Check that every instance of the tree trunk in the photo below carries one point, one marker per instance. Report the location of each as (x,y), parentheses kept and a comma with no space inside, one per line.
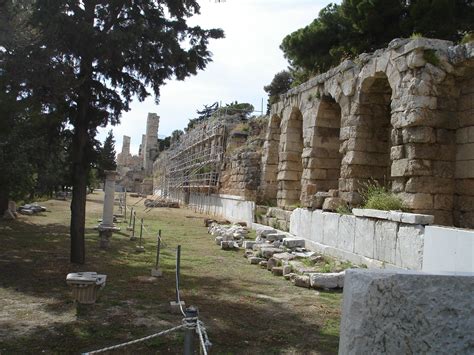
(3,201)
(78,202)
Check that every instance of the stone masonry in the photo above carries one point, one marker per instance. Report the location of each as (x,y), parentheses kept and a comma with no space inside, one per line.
(403,116)
(150,147)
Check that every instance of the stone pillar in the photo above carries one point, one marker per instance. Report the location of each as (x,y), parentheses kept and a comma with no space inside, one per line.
(108,211)
(150,148)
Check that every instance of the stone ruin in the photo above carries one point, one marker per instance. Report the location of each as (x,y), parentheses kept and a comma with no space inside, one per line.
(403,116)
(135,171)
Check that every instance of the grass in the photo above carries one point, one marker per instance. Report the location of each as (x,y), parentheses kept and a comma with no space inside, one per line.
(237,301)
(378,197)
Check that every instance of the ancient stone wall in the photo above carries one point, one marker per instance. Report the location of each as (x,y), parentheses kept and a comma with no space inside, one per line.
(240,169)
(150,147)
(401,116)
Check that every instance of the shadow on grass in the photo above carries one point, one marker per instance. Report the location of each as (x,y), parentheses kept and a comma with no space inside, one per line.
(34,261)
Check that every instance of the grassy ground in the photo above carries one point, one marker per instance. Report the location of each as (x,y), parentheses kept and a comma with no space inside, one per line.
(245,308)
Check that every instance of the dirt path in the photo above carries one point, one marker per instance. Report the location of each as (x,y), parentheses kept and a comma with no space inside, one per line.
(246,309)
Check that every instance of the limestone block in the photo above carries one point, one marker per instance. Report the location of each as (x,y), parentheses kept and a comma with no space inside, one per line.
(317,226)
(330,280)
(364,237)
(417,201)
(305,224)
(406,312)
(365,158)
(301,281)
(271,263)
(315,174)
(443,169)
(465,187)
(418,135)
(430,151)
(409,248)
(255,260)
(293,242)
(277,271)
(397,152)
(465,135)
(464,169)
(324,163)
(411,167)
(248,244)
(289,156)
(430,184)
(267,252)
(411,218)
(416,59)
(385,241)
(346,233)
(295,219)
(333,203)
(289,175)
(331,226)
(465,151)
(443,202)
(464,203)
(370,213)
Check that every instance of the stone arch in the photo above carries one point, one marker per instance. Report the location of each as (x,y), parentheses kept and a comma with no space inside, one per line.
(270,161)
(366,138)
(321,157)
(290,166)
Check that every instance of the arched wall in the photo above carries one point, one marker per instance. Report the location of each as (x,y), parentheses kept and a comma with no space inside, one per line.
(406,121)
(290,167)
(321,158)
(270,159)
(365,137)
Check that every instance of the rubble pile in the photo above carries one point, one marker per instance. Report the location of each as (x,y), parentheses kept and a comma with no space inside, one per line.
(228,237)
(30,209)
(160,203)
(280,253)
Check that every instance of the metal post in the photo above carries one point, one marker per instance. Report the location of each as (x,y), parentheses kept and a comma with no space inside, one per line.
(158,249)
(132,237)
(125,203)
(178,263)
(190,330)
(141,232)
(130,222)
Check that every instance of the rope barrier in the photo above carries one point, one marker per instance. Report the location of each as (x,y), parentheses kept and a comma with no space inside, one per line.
(201,337)
(164,332)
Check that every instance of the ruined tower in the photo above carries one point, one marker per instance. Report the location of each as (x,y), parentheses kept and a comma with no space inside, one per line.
(150,145)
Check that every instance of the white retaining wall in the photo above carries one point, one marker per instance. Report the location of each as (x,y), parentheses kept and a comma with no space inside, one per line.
(232,208)
(448,250)
(376,239)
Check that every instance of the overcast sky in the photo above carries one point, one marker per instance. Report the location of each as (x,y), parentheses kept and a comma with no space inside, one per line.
(243,62)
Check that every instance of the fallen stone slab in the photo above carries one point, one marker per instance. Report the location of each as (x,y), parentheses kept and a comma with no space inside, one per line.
(254,260)
(218,240)
(263,232)
(402,312)
(248,244)
(275,237)
(284,256)
(287,269)
(277,271)
(263,264)
(271,263)
(269,251)
(301,281)
(329,280)
(229,245)
(293,242)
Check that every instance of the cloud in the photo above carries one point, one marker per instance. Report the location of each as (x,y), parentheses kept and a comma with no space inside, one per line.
(243,62)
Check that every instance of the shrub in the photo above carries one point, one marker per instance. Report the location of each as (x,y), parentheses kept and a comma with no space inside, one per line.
(378,197)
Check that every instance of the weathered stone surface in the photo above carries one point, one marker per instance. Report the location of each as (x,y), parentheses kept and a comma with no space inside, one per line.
(301,281)
(328,280)
(333,203)
(267,252)
(277,271)
(255,260)
(293,242)
(406,312)
(271,263)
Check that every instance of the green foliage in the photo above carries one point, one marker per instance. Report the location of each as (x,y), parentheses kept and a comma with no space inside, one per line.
(106,156)
(280,84)
(378,197)
(468,38)
(357,26)
(344,209)
(430,56)
(415,35)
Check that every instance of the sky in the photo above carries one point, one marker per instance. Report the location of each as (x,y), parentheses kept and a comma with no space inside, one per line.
(243,63)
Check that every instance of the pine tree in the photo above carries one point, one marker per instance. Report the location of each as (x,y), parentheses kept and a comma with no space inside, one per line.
(105,52)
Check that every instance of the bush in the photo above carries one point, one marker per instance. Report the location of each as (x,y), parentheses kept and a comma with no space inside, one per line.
(378,197)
